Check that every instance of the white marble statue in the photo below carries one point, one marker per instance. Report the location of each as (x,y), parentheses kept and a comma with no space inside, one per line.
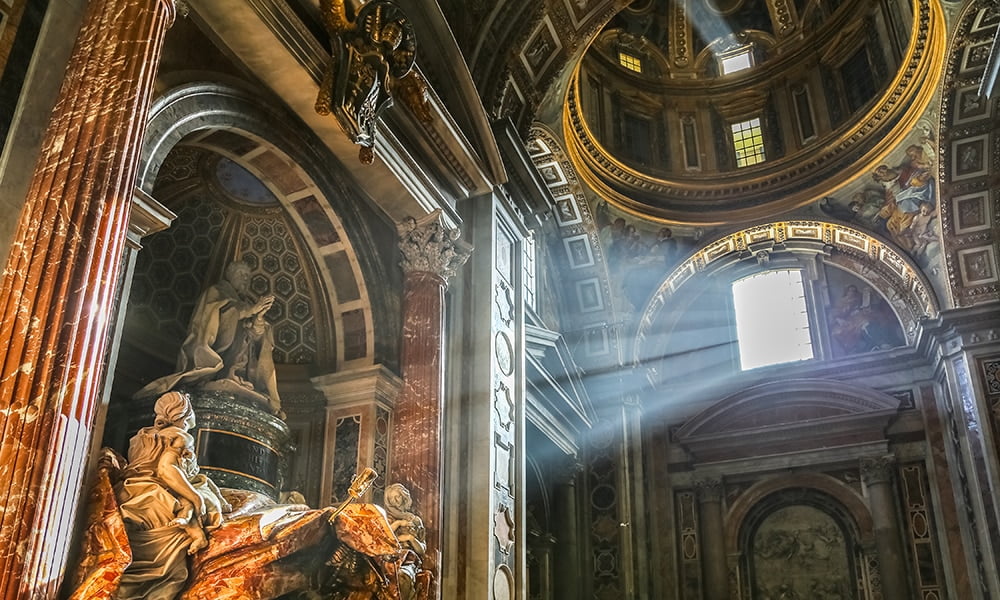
(228,346)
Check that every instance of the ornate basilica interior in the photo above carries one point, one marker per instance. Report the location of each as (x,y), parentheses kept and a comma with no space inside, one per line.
(500,299)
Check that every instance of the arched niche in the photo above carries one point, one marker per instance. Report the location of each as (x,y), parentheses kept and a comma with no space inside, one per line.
(244,178)
(333,218)
(810,538)
(689,316)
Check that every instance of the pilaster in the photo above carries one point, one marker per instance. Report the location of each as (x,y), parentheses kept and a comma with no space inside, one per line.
(713,540)
(359,418)
(878,477)
(431,254)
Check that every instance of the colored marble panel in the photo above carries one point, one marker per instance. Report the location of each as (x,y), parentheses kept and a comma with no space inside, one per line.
(317,221)
(355,334)
(277,170)
(344,283)
(231,142)
(345,457)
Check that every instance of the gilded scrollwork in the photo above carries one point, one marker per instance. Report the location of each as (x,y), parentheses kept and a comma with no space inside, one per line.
(372,62)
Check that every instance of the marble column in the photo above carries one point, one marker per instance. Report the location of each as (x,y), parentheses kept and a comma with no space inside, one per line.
(567,556)
(878,474)
(59,285)
(543,546)
(431,254)
(713,541)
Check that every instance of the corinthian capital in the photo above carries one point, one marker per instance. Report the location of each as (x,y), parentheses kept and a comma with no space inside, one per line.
(428,246)
(878,469)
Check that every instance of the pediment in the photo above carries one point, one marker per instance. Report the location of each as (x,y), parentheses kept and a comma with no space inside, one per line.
(788,416)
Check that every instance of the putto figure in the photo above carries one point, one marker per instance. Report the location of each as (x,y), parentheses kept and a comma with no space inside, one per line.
(228,346)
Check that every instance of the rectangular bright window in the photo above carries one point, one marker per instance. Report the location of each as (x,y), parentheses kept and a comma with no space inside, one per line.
(772,324)
(748,141)
(630,62)
(736,62)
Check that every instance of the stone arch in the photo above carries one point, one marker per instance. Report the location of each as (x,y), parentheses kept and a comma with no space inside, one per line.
(849,499)
(330,215)
(890,271)
(809,491)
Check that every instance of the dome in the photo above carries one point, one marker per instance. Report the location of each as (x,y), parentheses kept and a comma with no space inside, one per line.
(700,111)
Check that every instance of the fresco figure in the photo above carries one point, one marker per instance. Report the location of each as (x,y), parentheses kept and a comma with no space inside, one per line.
(905,188)
(861,321)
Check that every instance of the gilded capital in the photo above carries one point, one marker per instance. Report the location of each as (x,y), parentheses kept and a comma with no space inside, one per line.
(878,469)
(428,246)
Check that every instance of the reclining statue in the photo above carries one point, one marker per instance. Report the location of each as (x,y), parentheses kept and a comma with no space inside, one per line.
(159,529)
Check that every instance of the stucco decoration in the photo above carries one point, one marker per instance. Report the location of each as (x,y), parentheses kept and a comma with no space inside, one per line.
(427,245)
(800,552)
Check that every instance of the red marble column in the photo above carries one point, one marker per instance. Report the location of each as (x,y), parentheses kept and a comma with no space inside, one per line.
(59,285)
(431,254)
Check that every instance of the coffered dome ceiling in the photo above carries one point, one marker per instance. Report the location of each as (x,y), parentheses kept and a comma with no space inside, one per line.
(705,111)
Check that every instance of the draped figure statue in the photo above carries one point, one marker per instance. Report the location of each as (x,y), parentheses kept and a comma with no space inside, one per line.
(228,345)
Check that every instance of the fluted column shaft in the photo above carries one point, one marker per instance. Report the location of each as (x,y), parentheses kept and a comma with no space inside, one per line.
(713,542)
(416,460)
(878,474)
(59,285)
(431,253)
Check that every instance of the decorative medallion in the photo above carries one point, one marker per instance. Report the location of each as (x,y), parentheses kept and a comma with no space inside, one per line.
(503,528)
(504,352)
(505,304)
(503,583)
(504,404)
